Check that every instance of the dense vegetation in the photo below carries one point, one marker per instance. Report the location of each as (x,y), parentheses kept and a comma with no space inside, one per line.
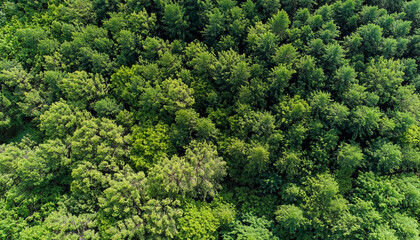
(216,119)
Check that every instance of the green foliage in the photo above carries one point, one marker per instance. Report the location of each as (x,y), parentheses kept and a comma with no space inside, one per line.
(250,227)
(349,157)
(196,174)
(215,27)
(107,107)
(365,121)
(286,54)
(150,144)
(100,141)
(261,42)
(380,79)
(177,95)
(15,83)
(280,77)
(252,201)
(290,164)
(209,168)
(60,120)
(160,218)
(120,205)
(171,177)
(246,161)
(371,38)
(407,227)
(280,23)
(202,220)
(11,224)
(293,110)
(265,119)
(173,21)
(82,88)
(290,218)
(310,77)
(63,225)
(388,157)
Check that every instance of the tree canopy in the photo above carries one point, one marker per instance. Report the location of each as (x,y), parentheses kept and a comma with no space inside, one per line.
(251,119)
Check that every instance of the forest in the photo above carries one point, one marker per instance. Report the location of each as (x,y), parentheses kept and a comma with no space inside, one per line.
(210,119)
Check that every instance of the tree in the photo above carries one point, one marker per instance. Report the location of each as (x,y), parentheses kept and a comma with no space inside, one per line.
(171,177)
(250,227)
(329,32)
(87,184)
(15,82)
(344,77)
(323,203)
(333,58)
(11,225)
(280,77)
(63,225)
(101,142)
(232,71)
(291,219)
(28,184)
(293,110)
(121,204)
(407,227)
(286,54)
(198,222)
(411,11)
(266,8)
(28,40)
(344,13)
(82,88)
(176,95)
(236,26)
(349,157)
(371,35)
(150,144)
(290,164)
(5,120)
(383,232)
(338,115)
(215,28)
(107,107)
(81,11)
(246,162)
(127,83)
(197,174)
(383,77)
(370,186)
(195,12)
(257,161)
(365,121)
(261,42)
(209,168)
(189,125)
(310,77)
(199,119)
(127,42)
(173,20)
(280,23)
(388,157)
(88,51)
(161,217)
(60,120)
